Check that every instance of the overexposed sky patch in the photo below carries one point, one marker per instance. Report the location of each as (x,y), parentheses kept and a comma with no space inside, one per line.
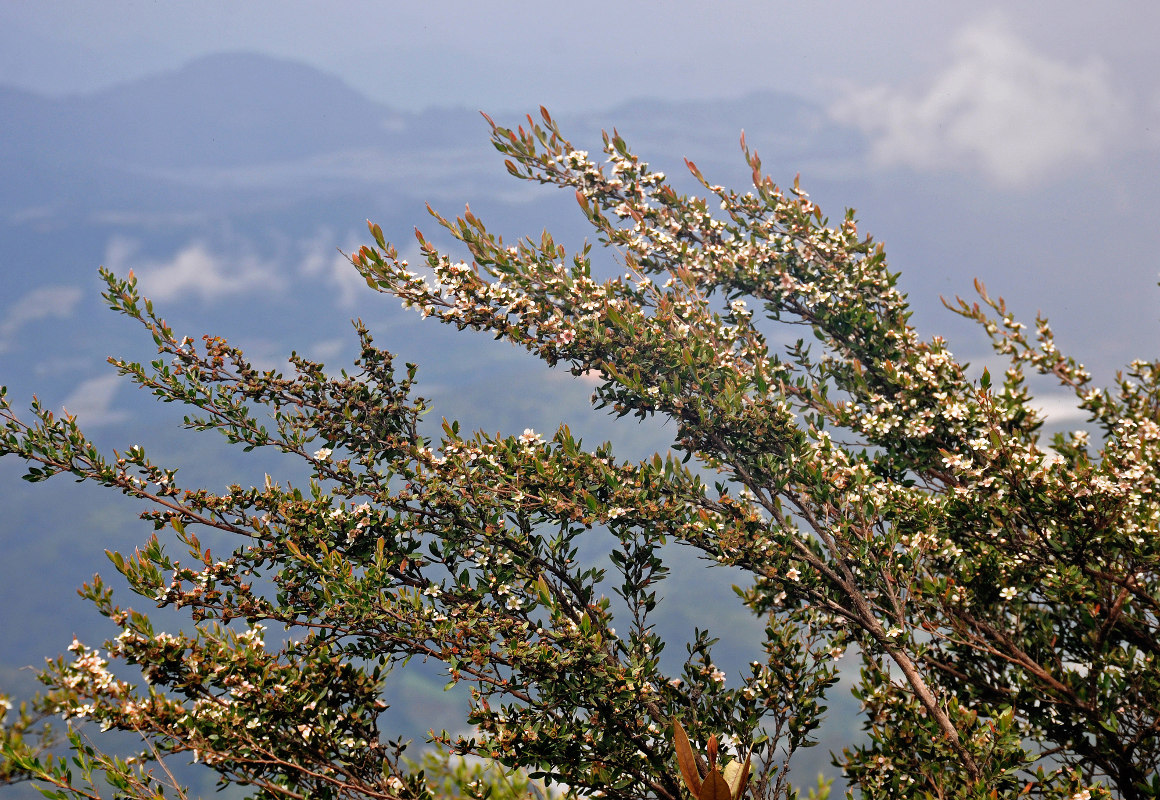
(194,271)
(1060,409)
(999,107)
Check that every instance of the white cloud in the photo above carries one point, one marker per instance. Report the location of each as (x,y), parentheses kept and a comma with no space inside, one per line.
(999,107)
(328,349)
(91,402)
(323,261)
(193,271)
(45,302)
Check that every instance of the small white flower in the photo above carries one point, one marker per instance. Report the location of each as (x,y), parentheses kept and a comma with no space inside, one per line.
(322,453)
(954,460)
(1008,593)
(793,573)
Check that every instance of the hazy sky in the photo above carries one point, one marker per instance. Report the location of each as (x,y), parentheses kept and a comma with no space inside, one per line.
(507,55)
(1010,90)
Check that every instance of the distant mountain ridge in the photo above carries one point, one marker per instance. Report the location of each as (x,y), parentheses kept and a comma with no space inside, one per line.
(262,109)
(232,110)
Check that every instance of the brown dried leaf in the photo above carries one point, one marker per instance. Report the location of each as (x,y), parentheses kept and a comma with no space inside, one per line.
(715,787)
(686,760)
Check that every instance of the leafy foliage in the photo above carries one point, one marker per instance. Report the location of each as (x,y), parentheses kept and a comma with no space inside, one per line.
(1001,591)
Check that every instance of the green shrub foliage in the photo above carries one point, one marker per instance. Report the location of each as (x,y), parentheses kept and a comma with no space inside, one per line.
(1001,590)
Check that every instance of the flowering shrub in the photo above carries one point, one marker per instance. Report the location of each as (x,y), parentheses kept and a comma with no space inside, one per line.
(1000,590)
